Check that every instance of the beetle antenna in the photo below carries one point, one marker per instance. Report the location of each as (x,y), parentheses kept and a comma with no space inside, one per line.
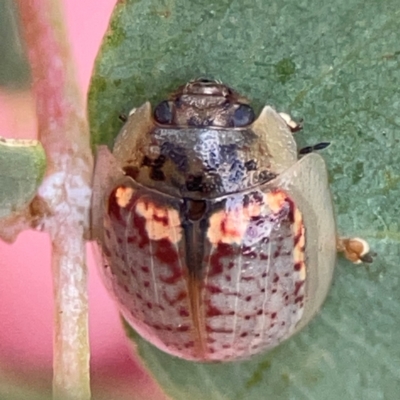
(315,147)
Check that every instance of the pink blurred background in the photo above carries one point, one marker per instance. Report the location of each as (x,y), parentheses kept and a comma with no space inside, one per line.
(25,285)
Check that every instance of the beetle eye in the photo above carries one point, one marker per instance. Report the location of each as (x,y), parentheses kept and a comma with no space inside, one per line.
(163,113)
(243,116)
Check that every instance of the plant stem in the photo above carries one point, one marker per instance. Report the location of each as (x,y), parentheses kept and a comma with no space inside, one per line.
(66,192)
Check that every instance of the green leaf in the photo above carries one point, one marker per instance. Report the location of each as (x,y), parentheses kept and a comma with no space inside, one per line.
(22,167)
(337,65)
(14,67)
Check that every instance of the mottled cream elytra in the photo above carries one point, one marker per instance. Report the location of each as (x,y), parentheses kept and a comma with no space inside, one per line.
(218,241)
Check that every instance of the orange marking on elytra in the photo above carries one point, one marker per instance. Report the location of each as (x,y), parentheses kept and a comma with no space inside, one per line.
(298,251)
(123,196)
(276,200)
(161,222)
(225,227)
(229,226)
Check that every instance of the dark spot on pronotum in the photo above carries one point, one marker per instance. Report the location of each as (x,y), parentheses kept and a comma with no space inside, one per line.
(193,121)
(131,171)
(208,187)
(199,122)
(176,154)
(157,174)
(266,176)
(250,165)
(178,102)
(228,152)
(236,171)
(194,183)
(147,162)
(159,161)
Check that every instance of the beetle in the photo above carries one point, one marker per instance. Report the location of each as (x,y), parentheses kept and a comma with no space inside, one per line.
(218,241)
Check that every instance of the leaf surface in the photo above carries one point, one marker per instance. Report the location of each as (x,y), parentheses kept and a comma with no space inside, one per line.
(22,167)
(337,65)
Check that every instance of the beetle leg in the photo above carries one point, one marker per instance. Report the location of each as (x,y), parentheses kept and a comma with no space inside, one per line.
(124,117)
(292,125)
(355,249)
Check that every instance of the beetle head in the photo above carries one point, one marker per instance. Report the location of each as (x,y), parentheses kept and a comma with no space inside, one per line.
(204,103)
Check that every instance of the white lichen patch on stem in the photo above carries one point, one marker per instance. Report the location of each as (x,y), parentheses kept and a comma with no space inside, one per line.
(69,196)
(64,196)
